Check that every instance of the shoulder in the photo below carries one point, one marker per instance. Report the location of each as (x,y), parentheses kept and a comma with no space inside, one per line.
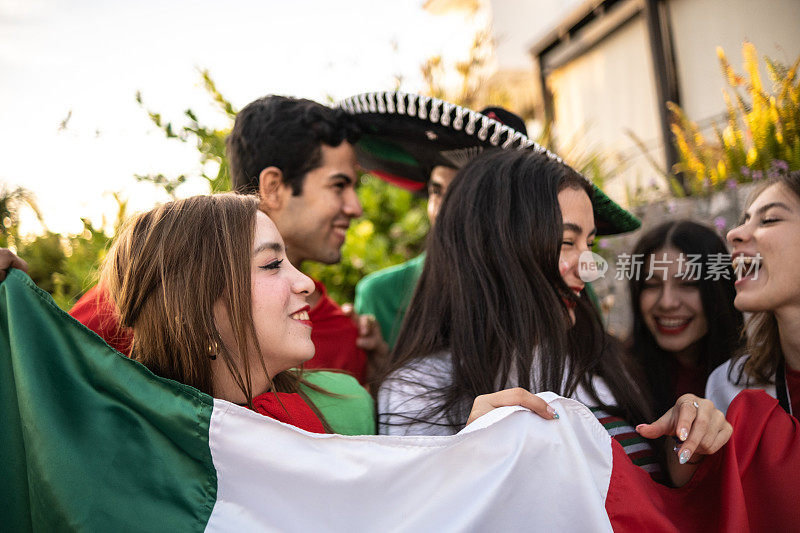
(434,369)
(410,392)
(391,276)
(728,380)
(346,405)
(336,382)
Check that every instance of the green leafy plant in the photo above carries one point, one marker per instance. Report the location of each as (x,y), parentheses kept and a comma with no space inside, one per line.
(761,133)
(392,229)
(12,200)
(66,265)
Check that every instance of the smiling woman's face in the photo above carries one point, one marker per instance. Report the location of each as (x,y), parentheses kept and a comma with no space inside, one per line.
(578,236)
(280,313)
(771,231)
(670,303)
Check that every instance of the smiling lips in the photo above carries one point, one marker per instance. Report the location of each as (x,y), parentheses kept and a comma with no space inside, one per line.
(746,267)
(672,326)
(341,230)
(302,316)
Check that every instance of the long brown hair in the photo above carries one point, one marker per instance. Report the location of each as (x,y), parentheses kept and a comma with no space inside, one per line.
(166,271)
(491,294)
(763,348)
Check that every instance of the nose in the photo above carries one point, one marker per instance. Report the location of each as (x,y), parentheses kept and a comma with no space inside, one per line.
(668,298)
(352,207)
(301,284)
(738,234)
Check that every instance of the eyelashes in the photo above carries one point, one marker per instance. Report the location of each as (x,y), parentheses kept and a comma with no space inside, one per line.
(273,265)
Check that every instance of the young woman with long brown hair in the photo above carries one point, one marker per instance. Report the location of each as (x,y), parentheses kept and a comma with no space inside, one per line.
(766,257)
(205,286)
(214,303)
(493,309)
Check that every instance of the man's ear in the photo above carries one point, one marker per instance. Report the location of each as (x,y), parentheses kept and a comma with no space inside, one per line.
(271,189)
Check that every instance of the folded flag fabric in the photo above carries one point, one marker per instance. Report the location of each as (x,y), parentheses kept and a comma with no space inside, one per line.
(93,441)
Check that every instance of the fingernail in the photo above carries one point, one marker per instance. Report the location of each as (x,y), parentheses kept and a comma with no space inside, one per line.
(552,412)
(683,434)
(639,427)
(683,458)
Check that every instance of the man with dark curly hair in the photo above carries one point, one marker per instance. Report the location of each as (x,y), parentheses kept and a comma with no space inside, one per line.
(298,156)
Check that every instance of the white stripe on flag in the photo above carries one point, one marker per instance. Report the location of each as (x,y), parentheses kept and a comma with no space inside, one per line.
(509,470)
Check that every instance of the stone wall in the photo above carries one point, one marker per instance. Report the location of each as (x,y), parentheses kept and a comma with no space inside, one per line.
(720,210)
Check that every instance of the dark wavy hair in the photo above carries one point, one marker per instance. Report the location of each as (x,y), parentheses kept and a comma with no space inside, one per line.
(491,294)
(724,322)
(286,133)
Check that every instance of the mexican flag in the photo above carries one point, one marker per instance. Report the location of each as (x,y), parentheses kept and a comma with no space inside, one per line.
(92,441)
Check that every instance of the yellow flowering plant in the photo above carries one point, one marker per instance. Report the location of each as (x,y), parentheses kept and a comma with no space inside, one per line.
(760,135)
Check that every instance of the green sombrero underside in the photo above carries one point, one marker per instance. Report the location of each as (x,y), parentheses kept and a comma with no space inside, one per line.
(405,135)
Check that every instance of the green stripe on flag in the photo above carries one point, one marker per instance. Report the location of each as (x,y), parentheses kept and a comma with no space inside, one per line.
(91,440)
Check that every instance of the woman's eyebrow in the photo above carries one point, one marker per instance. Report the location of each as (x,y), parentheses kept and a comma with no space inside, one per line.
(571,226)
(764,208)
(274,246)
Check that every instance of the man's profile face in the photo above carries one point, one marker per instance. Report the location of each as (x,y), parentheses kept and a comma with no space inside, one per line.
(441,177)
(314,223)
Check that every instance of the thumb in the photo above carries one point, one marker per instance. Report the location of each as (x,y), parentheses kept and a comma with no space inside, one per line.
(660,427)
(348,310)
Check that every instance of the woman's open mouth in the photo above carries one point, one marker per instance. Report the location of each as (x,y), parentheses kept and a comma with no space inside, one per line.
(672,326)
(746,268)
(302,316)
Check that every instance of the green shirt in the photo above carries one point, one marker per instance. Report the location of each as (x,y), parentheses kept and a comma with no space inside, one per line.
(350,410)
(386,295)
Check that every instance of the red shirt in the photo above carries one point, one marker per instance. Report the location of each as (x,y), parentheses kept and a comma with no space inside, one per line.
(793,384)
(289,408)
(687,380)
(334,336)
(96,311)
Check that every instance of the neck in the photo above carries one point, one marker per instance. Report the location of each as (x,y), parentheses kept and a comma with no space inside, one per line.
(789,332)
(689,356)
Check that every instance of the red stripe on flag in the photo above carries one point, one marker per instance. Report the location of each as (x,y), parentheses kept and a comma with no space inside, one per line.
(752,484)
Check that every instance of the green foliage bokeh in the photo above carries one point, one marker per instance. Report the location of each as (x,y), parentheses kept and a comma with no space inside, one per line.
(392,229)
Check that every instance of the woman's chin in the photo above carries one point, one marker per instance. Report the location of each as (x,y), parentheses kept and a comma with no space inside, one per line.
(749,303)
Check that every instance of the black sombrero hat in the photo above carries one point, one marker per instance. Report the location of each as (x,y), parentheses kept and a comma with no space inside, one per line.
(405,135)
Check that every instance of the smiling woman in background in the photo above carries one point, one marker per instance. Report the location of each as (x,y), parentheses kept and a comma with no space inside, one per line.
(766,256)
(684,321)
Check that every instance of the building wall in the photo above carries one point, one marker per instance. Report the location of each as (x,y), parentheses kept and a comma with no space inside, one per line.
(699,26)
(601,95)
(611,88)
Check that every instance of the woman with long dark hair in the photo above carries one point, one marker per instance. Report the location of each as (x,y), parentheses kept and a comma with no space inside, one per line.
(766,258)
(205,285)
(684,321)
(492,310)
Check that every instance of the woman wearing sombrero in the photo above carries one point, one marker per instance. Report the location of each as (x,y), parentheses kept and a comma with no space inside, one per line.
(496,306)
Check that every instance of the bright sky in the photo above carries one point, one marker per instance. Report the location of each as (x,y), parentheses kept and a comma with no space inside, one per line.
(89,57)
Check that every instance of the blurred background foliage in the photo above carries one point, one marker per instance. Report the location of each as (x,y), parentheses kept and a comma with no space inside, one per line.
(760,135)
